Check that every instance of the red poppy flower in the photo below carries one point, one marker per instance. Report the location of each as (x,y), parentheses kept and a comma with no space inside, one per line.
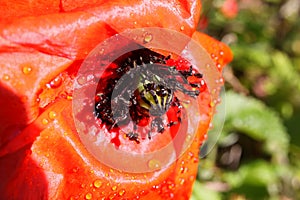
(42,46)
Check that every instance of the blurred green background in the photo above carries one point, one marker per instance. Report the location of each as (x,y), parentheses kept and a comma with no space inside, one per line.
(257,155)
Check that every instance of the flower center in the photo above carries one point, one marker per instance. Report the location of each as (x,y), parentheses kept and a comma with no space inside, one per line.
(141,88)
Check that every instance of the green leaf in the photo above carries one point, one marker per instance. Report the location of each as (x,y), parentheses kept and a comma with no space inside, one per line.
(283,67)
(257,173)
(251,117)
(202,193)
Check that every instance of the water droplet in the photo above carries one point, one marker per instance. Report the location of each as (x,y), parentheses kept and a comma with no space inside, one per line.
(190,154)
(181,181)
(114,188)
(97,183)
(154,164)
(122,192)
(81,80)
(155,187)
(221,80)
(171,195)
(188,138)
(195,160)
(55,83)
(112,196)
(221,53)
(92,171)
(45,121)
(182,28)
(26,70)
(183,170)
(6,77)
(88,196)
(148,38)
(69,97)
(52,114)
(171,186)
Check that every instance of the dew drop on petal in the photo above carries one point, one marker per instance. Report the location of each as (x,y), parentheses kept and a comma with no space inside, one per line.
(45,121)
(112,196)
(188,138)
(114,188)
(5,77)
(81,80)
(52,114)
(88,196)
(195,160)
(101,51)
(190,155)
(183,170)
(97,183)
(221,80)
(26,70)
(182,28)
(122,192)
(56,82)
(154,164)
(181,181)
(69,97)
(171,185)
(148,38)
(143,192)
